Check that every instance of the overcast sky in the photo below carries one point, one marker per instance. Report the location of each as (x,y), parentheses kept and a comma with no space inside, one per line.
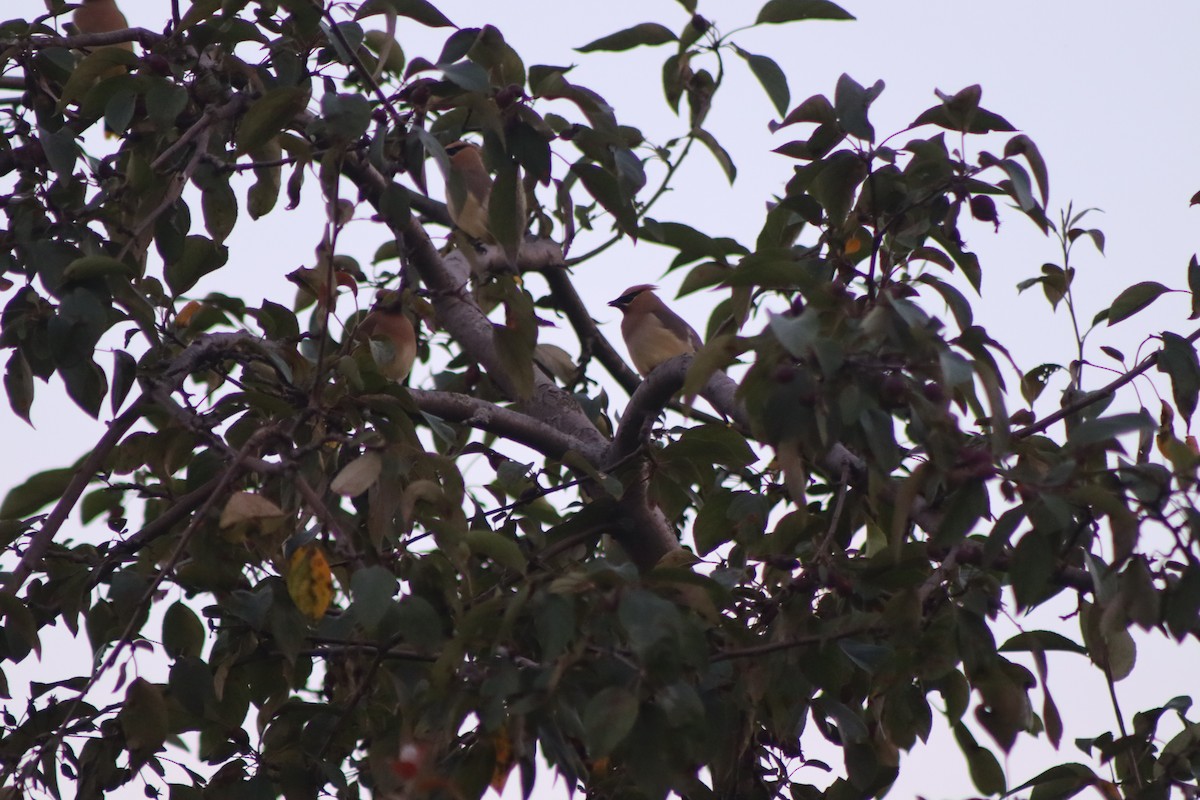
(1107,90)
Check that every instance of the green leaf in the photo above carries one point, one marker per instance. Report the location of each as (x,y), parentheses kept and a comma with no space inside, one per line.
(143,720)
(602,186)
(1024,146)
(18,383)
(1178,359)
(182,632)
(498,547)
(269,115)
(816,109)
(1194,286)
(201,256)
(220,208)
(961,112)
(719,152)
(771,77)
(607,719)
(422,11)
(372,589)
(86,385)
(1134,299)
(986,773)
(851,101)
(37,491)
(1041,641)
(777,11)
(1059,782)
(95,266)
(646,33)
(1094,431)
(506,210)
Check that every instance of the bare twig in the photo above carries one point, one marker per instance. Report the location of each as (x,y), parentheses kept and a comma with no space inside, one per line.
(41,540)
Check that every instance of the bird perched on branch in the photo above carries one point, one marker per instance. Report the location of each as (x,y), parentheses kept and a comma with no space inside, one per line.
(653,333)
(101,16)
(392,337)
(469,197)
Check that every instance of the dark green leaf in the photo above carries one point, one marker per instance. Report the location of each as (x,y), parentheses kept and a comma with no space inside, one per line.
(1102,429)
(719,152)
(270,114)
(607,719)
(1194,285)
(985,770)
(200,256)
(37,491)
(776,11)
(182,632)
(646,33)
(850,102)
(1041,641)
(1178,359)
(1134,299)
(18,383)
(816,109)
(422,11)
(771,77)
(1024,146)
(602,185)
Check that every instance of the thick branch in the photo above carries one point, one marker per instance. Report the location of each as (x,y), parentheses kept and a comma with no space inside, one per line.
(82,41)
(526,430)
(591,340)
(653,395)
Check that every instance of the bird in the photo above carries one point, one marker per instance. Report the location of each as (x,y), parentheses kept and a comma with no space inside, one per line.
(468,189)
(468,193)
(101,16)
(391,336)
(653,333)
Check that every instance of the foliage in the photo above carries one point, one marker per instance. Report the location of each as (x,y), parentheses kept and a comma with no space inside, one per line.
(344,608)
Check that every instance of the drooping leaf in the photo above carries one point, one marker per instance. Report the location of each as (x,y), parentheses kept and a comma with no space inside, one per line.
(771,77)
(776,11)
(422,11)
(1134,299)
(646,33)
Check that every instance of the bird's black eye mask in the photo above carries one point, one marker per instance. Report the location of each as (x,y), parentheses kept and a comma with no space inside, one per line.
(625,299)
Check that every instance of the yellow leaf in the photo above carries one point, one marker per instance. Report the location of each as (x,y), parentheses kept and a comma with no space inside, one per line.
(309,581)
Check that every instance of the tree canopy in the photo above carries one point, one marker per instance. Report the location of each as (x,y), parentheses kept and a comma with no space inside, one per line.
(367,581)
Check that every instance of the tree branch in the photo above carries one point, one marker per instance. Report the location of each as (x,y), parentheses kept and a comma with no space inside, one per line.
(81,41)
(513,425)
(1093,397)
(41,540)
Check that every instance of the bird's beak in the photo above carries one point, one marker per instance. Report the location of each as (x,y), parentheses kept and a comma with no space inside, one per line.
(615,303)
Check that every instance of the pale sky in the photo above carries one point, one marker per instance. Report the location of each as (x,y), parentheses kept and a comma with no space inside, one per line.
(1107,90)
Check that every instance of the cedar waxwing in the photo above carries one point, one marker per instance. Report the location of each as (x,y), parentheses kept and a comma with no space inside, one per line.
(468,190)
(101,16)
(653,333)
(391,336)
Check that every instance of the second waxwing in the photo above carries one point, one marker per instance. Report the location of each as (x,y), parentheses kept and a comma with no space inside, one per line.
(101,16)
(653,333)
(391,336)
(469,189)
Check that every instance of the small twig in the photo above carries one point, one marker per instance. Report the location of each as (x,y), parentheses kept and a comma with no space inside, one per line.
(41,540)
(231,472)
(787,644)
(843,486)
(1097,395)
